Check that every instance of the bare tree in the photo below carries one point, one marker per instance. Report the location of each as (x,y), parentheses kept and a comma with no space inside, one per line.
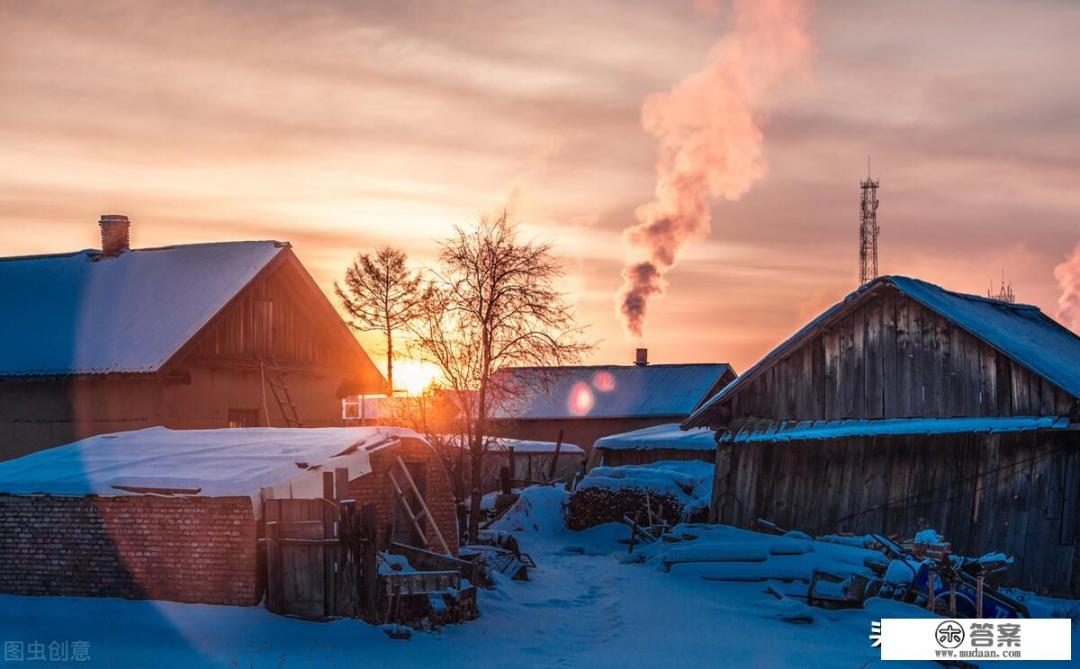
(381,294)
(493,305)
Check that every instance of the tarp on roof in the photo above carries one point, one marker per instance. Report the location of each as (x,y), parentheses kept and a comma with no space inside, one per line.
(611,391)
(666,436)
(216,463)
(776,431)
(84,314)
(1021,331)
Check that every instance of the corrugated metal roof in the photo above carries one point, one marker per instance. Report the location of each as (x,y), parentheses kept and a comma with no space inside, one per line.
(611,391)
(668,435)
(80,313)
(753,431)
(1021,331)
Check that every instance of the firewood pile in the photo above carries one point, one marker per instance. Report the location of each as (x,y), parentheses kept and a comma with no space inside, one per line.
(597,505)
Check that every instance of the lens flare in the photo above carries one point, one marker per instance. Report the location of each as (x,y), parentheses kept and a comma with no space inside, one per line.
(581,399)
(603,382)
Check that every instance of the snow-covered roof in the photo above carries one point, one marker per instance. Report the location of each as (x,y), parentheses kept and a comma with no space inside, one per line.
(611,391)
(82,313)
(1021,331)
(525,446)
(215,463)
(668,435)
(772,431)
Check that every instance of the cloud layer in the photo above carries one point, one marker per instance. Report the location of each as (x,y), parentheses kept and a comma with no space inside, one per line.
(342,125)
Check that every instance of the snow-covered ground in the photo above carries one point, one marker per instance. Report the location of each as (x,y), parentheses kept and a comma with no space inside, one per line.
(588,605)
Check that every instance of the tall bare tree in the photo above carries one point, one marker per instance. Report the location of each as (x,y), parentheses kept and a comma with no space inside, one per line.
(381,294)
(493,305)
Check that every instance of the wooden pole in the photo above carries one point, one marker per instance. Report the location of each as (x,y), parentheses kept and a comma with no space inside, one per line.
(979,596)
(512,466)
(555,460)
(329,563)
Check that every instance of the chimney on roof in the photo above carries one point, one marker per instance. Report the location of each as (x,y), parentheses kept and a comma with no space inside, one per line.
(114,234)
(642,357)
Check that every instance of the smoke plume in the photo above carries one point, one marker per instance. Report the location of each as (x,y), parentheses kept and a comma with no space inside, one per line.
(1068,278)
(709,142)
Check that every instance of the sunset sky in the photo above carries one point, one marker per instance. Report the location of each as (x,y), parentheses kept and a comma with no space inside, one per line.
(342,126)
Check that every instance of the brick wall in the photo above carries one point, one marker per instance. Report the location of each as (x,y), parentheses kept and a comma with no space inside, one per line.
(377,488)
(186,549)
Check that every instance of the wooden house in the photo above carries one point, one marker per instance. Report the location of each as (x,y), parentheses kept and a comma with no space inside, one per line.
(584,403)
(907,406)
(192,336)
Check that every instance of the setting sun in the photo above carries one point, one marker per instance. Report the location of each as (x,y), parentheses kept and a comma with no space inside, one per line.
(414,376)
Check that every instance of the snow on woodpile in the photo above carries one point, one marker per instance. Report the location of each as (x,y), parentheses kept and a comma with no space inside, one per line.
(666,436)
(674,490)
(288,462)
(80,313)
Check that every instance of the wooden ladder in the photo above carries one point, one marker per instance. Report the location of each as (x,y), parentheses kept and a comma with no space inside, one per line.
(275,378)
(425,512)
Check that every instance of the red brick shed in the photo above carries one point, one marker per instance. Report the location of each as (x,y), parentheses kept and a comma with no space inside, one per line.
(177,514)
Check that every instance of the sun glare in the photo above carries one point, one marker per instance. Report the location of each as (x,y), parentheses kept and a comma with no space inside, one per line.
(414,376)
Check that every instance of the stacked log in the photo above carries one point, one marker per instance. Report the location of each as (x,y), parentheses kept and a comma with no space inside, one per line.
(596,505)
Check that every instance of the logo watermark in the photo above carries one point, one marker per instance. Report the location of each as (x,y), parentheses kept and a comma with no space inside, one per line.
(974,639)
(55,650)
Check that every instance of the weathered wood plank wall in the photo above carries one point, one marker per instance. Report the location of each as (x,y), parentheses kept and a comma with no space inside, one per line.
(892,358)
(1015,492)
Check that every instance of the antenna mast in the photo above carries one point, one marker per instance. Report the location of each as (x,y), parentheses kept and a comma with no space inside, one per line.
(868,228)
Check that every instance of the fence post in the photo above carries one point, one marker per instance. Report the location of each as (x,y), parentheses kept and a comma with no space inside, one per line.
(369,566)
(273,568)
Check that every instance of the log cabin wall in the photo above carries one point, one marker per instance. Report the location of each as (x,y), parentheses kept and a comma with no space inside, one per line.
(890,357)
(1014,492)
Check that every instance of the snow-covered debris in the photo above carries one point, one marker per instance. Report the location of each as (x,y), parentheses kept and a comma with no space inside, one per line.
(212,463)
(130,313)
(725,553)
(928,536)
(668,435)
(540,509)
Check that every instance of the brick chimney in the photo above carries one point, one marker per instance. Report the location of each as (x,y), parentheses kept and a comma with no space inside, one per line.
(642,357)
(114,234)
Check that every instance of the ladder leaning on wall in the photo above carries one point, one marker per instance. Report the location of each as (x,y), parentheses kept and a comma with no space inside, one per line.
(271,375)
(413,516)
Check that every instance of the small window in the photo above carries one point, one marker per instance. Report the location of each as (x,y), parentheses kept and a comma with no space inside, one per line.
(350,408)
(243,418)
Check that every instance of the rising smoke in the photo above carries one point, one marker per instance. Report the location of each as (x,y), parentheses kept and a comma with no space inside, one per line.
(709,142)
(1068,278)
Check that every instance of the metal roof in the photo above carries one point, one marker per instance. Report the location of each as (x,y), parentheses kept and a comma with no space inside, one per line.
(1021,331)
(611,391)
